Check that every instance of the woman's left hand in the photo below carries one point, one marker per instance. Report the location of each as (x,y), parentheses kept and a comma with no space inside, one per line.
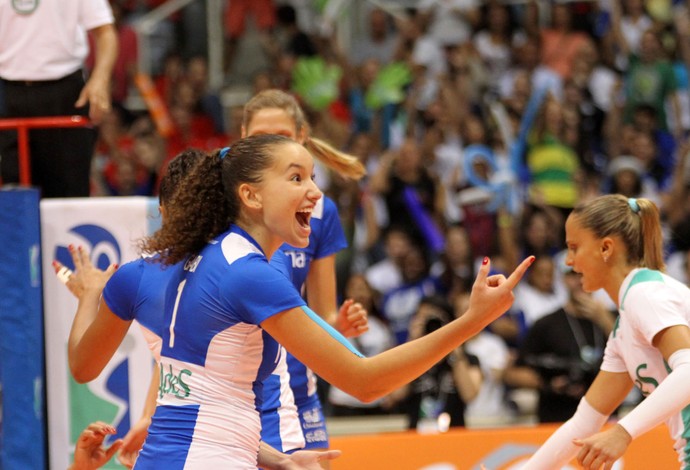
(352,319)
(603,448)
(86,276)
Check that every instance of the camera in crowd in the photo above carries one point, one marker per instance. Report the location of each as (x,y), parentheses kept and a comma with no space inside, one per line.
(579,371)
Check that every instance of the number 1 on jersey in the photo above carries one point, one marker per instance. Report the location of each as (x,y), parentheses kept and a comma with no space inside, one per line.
(180,288)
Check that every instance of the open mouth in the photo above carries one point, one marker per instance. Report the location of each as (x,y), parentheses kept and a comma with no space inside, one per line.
(303,217)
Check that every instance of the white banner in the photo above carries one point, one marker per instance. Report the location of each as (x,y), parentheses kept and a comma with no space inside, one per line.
(109,229)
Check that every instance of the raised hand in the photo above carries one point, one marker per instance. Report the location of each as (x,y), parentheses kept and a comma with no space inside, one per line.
(493,295)
(85,275)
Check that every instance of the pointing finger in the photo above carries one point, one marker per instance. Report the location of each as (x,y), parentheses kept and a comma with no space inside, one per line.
(520,271)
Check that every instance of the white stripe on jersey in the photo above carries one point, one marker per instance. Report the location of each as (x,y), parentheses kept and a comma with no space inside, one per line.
(291,435)
(235,246)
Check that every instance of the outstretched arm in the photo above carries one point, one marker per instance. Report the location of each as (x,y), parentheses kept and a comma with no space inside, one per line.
(616,29)
(371,378)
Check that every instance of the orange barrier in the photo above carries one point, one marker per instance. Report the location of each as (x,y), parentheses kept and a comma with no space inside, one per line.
(24,124)
(468,449)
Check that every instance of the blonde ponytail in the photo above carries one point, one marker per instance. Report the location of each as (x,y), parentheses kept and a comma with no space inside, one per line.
(340,162)
(651,236)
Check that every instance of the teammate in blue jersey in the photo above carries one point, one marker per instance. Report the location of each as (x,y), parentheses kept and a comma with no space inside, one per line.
(291,392)
(230,306)
(133,292)
(615,243)
(136,292)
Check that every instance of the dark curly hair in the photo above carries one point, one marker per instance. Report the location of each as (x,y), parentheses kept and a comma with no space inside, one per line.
(177,169)
(206,201)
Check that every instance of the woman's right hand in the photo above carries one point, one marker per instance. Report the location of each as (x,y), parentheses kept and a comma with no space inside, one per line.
(493,295)
(133,442)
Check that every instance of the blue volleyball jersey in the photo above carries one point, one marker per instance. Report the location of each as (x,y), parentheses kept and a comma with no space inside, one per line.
(215,357)
(297,385)
(136,291)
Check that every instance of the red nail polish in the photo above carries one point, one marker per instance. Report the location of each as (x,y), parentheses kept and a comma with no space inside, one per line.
(532,258)
(55,264)
(485,260)
(117,265)
(71,247)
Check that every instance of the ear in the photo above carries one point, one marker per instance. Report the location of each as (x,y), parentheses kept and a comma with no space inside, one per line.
(243,132)
(249,196)
(606,248)
(303,134)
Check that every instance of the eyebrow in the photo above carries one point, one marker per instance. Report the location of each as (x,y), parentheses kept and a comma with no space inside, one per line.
(295,165)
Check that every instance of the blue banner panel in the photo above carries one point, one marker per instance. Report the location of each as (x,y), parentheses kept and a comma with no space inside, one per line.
(22,434)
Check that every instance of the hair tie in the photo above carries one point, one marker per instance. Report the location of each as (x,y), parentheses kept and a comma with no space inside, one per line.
(632,202)
(223,152)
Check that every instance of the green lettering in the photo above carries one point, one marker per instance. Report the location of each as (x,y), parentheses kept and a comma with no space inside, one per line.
(642,381)
(615,326)
(184,386)
(171,383)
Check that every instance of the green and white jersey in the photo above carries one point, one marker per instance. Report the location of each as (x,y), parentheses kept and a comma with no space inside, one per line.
(650,302)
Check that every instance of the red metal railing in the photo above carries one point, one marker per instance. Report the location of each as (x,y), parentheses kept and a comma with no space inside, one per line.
(24,124)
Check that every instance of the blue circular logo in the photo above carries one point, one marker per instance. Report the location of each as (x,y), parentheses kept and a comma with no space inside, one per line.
(101,245)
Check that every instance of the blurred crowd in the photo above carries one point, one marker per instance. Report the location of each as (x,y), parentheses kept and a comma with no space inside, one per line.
(507,116)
